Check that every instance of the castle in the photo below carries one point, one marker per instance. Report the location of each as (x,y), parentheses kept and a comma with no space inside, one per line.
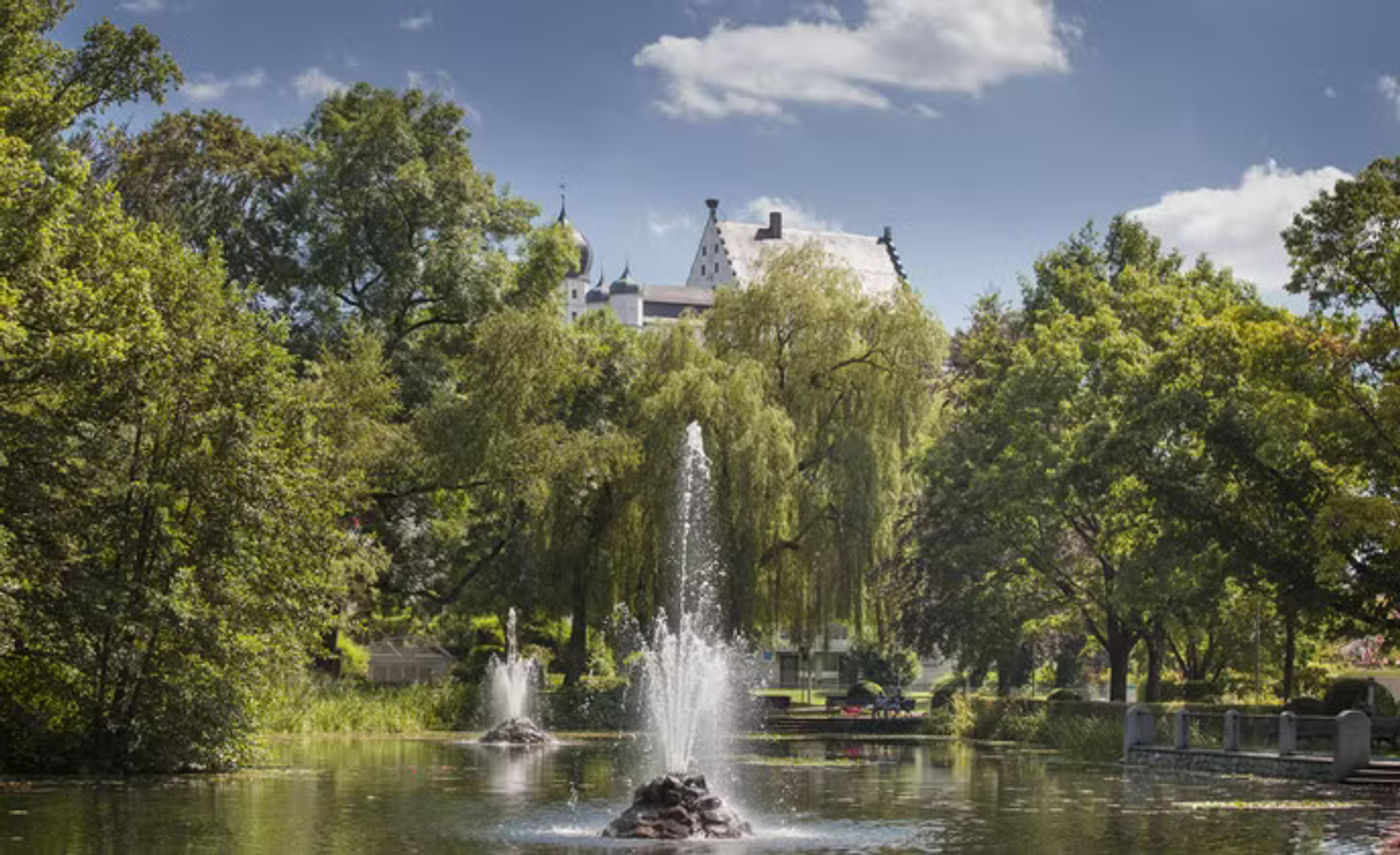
(730,253)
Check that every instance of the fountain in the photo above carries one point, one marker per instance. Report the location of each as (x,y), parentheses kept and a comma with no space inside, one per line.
(687,677)
(510,687)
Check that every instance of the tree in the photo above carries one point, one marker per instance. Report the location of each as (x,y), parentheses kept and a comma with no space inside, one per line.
(837,386)
(1046,479)
(47,86)
(169,511)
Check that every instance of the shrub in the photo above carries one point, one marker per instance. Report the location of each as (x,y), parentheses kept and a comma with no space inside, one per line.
(863,691)
(944,691)
(888,666)
(591,704)
(354,659)
(1191,691)
(1306,706)
(1350,693)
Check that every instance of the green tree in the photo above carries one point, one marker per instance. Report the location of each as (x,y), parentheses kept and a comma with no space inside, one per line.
(47,86)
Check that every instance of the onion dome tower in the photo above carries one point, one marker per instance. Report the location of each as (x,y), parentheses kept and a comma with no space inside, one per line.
(575,284)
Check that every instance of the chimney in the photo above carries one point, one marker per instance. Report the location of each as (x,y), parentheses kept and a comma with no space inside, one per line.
(888,237)
(713,205)
(775,225)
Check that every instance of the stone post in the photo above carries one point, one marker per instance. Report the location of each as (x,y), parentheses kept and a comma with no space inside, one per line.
(1181,730)
(1287,733)
(1230,739)
(1137,728)
(1351,748)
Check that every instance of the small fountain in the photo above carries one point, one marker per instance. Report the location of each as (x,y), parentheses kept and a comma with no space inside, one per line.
(510,686)
(687,677)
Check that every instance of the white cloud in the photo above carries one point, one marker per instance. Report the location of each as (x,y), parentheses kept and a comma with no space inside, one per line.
(142,5)
(660,225)
(414,23)
(1389,87)
(1329,92)
(210,87)
(962,46)
(924,111)
(794,214)
(1239,226)
(315,83)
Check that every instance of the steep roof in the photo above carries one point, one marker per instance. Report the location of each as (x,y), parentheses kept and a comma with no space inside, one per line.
(872,259)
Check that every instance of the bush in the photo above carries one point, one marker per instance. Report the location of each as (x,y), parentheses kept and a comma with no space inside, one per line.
(1191,691)
(888,666)
(354,659)
(1064,695)
(591,704)
(944,691)
(1350,693)
(1306,706)
(863,691)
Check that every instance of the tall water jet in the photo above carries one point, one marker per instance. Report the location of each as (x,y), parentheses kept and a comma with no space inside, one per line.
(510,691)
(687,676)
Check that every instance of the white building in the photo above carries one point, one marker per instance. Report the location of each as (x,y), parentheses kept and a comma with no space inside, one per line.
(730,254)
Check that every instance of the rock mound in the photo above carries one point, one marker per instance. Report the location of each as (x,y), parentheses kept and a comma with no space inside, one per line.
(675,807)
(517,731)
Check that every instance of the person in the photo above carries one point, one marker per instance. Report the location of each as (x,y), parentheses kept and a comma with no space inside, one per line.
(897,702)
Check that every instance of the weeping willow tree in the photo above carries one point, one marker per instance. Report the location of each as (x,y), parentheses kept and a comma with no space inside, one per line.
(815,399)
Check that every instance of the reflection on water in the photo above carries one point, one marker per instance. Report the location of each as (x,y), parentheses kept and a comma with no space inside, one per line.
(401,795)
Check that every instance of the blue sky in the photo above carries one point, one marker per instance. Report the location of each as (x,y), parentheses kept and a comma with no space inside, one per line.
(982,131)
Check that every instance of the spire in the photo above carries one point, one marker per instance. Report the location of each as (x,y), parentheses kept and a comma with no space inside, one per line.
(563,204)
(602,277)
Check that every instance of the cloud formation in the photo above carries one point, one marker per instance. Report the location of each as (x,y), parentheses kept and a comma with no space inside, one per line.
(926,46)
(315,83)
(1389,87)
(414,23)
(210,87)
(1239,226)
(794,214)
(141,5)
(660,225)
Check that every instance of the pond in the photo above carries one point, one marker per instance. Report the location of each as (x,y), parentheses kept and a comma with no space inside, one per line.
(444,795)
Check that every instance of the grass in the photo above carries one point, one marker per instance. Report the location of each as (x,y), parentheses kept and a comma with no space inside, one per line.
(1076,737)
(312,706)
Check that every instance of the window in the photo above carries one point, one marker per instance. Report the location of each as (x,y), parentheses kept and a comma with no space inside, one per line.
(574,294)
(702,270)
(702,250)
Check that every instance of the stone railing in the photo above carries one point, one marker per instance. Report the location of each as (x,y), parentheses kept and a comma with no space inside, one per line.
(1350,734)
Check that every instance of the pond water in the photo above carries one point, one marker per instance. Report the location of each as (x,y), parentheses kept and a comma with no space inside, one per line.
(441,795)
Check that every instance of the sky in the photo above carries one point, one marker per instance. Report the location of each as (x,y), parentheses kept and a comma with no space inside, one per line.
(984,132)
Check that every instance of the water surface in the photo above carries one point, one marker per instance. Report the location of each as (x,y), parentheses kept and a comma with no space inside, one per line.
(441,795)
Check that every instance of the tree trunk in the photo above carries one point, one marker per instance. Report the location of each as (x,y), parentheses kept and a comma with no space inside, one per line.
(576,658)
(1156,652)
(1120,649)
(1290,644)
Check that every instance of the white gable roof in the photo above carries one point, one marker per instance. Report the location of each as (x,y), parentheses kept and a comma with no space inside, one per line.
(867,257)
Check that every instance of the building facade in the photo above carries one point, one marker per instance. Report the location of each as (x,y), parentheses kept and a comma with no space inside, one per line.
(730,254)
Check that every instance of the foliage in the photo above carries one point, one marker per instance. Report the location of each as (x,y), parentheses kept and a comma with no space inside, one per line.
(1358,693)
(171,516)
(590,704)
(889,667)
(354,658)
(306,706)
